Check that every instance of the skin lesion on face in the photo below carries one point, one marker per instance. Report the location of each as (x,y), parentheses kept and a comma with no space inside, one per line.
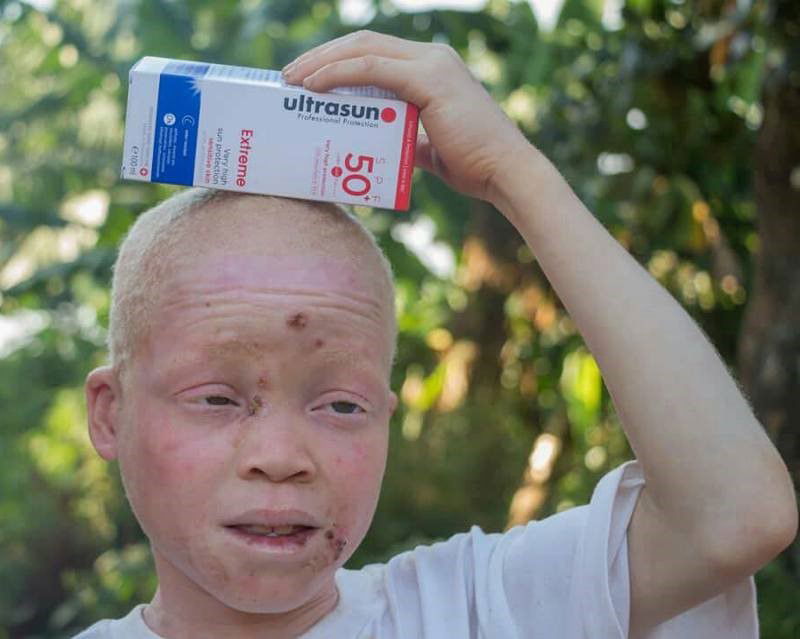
(297,321)
(254,405)
(335,543)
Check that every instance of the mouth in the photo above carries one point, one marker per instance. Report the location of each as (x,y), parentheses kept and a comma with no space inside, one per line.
(278,531)
(270,531)
(280,539)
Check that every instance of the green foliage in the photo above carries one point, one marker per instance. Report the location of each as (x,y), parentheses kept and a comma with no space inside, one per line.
(778,593)
(652,122)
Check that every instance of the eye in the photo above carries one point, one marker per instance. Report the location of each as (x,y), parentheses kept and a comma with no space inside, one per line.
(346,408)
(219,400)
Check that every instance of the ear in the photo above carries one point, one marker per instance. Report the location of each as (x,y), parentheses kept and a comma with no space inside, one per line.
(103,395)
(392,403)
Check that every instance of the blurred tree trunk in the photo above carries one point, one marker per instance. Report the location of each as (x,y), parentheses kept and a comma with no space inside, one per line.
(769,348)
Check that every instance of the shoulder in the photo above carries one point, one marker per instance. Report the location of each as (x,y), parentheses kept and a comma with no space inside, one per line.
(474,559)
(97,630)
(529,577)
(489,581)
(131,626)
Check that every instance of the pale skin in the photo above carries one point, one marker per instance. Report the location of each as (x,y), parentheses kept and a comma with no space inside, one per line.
(718,502)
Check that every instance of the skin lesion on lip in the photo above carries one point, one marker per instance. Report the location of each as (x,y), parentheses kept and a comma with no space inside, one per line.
(335,544)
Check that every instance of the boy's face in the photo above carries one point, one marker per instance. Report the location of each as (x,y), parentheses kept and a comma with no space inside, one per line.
(259,398)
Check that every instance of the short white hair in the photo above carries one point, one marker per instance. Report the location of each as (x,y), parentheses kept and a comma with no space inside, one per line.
(149,249)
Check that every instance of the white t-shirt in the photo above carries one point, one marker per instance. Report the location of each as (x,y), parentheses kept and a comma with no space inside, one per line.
(564,577)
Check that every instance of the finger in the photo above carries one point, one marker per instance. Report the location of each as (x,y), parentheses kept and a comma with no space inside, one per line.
(402,77)
(358,39)
(351,46)
(319,48)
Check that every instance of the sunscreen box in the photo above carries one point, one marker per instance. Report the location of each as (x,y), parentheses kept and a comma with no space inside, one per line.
(245,129)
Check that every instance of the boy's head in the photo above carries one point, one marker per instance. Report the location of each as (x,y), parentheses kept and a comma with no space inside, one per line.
(251,340)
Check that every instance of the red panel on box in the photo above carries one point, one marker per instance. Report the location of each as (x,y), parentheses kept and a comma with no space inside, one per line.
(406,169)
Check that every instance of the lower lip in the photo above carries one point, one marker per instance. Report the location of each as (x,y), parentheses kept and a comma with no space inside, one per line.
(282,544)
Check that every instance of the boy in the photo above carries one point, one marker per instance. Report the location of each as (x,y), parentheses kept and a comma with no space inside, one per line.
(247,401)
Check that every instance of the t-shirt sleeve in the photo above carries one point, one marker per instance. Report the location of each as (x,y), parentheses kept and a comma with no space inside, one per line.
(567,575)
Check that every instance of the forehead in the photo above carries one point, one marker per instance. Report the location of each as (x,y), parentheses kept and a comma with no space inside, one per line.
(212,270)
(239,305)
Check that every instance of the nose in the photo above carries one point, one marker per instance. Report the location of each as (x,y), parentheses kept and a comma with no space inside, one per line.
(275,447)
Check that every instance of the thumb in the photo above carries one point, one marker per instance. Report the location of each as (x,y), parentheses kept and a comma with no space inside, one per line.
(423,156)
(426,157)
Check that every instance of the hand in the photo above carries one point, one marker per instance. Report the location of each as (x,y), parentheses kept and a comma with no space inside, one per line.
(469,142)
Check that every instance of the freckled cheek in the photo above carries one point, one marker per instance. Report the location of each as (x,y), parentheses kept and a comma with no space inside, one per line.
(170,480)
(361,460)
(358,472)
(172,456)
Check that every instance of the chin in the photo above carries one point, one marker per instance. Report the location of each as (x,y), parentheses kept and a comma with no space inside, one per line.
(260,595)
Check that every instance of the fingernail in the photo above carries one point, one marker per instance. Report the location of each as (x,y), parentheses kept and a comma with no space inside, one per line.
(289,69)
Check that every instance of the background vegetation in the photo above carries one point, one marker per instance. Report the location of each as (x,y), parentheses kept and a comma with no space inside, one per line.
(677,122)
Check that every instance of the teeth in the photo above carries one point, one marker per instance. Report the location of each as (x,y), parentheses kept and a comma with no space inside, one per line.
(270,531)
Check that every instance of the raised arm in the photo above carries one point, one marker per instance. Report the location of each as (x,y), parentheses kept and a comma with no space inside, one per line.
(718,501)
